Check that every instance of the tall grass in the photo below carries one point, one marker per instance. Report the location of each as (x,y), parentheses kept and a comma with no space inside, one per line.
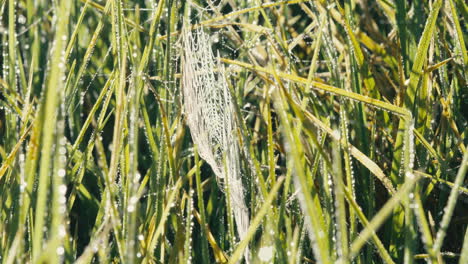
(349,121)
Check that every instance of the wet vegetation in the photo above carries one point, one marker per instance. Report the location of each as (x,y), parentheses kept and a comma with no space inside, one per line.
(233,131)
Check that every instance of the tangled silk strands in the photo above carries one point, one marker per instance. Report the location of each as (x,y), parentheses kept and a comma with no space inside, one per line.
(210,117)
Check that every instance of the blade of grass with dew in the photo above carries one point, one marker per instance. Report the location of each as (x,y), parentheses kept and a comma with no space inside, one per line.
(360,69)
(360,214)
(448,210)
(380,216)
(201,206)
(340,213)
(239,251)
(316,225)
(410,103)
(464,251)
(424,227)
(50,123)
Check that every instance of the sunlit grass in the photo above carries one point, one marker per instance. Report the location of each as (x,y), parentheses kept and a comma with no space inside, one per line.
(348,119)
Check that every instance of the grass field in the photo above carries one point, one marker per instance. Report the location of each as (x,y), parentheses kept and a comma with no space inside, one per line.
(233,131)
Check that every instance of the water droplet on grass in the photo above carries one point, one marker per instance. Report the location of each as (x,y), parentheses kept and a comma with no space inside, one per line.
(265,253)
